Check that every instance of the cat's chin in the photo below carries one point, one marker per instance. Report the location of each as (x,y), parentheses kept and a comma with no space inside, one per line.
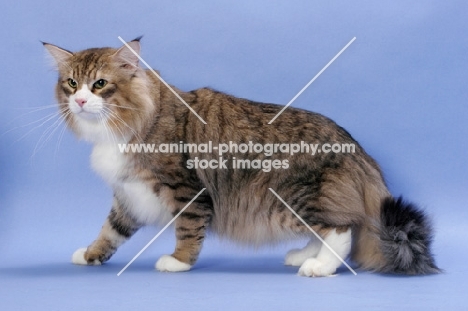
(96,130)
(88,116)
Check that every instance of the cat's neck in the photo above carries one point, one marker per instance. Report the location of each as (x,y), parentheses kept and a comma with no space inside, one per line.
(170,112)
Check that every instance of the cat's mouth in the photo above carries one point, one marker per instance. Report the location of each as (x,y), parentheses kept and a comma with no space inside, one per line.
(89,114)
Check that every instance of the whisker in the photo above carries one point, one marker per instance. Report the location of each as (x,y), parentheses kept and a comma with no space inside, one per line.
(113,114)
(59,141)
(44,120)
(107,127)
(124,107)
(103,123)
(117,126)
(62,121)
(45,137)
(37,108)
(31,123)
(109,118)
(110,114)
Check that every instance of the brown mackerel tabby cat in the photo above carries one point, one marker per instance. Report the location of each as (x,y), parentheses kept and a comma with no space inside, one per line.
(107,99)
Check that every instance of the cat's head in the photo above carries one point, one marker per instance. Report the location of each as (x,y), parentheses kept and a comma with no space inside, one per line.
(102,93)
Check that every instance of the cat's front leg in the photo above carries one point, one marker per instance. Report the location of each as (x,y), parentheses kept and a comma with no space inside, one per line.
(117,228)
(190,232)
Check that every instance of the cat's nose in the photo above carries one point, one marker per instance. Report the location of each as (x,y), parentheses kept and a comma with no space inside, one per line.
(80,101)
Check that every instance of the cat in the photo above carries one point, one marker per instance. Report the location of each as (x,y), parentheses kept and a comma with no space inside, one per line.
(106,98)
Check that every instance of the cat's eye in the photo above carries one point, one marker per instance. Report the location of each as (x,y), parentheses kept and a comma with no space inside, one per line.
(99,84)
(72,83)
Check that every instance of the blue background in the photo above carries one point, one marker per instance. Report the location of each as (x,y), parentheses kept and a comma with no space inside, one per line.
(400,89)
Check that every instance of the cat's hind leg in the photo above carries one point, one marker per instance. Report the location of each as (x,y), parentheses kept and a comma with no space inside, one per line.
(296,257)
(117,228)
(326,263)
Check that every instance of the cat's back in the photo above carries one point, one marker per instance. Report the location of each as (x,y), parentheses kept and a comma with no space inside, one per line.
(238,118)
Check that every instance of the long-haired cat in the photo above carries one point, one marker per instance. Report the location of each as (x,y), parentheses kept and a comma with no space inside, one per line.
(106,98)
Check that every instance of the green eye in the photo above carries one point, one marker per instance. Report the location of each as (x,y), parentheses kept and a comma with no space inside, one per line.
(99,84)
(72,83)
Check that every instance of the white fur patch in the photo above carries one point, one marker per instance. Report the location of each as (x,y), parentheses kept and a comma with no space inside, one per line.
(89,118)
(314,267)
(168,263)
(94,131)
(326,263)
(78,258)
(93,106)
(109,162)
(296,257)
(142,203)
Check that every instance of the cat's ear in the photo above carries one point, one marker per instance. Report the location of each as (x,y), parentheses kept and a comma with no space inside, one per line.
(126,54)
(61,56)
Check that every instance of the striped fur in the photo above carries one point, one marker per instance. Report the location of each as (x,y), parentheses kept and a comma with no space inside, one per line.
(331,192)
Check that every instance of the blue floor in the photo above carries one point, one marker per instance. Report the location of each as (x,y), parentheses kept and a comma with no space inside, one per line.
(225,278)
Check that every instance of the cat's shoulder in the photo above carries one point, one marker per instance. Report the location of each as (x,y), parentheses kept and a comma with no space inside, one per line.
(209,92)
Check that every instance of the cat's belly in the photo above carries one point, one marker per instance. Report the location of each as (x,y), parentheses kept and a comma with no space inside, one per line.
(252,231)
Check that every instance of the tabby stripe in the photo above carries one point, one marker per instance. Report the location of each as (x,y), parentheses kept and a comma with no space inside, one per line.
(190,215)
(306,206)
(200,200)
(183,199)
(176,186)
(66,90)
(108,91)
(185,229)
(204,200)
(122,230)
(187,236)
(117,225)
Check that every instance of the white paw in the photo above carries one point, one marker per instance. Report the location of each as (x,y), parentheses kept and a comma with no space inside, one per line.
(78,258)
(168,263)
(314,267)
(295,257)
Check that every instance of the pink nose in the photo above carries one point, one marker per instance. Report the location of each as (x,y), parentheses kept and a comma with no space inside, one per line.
(80,101)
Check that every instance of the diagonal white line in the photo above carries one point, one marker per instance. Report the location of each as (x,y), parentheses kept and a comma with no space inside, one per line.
(162,80)
(312,230)
(313,79)
(160,232)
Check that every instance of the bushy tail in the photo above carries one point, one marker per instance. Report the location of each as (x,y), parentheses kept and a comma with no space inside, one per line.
(405,239)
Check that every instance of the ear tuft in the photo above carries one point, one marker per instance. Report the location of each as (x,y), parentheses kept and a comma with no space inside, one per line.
(61,56)
(126,54)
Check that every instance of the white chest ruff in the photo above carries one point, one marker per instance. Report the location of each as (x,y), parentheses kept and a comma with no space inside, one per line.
(138,197)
